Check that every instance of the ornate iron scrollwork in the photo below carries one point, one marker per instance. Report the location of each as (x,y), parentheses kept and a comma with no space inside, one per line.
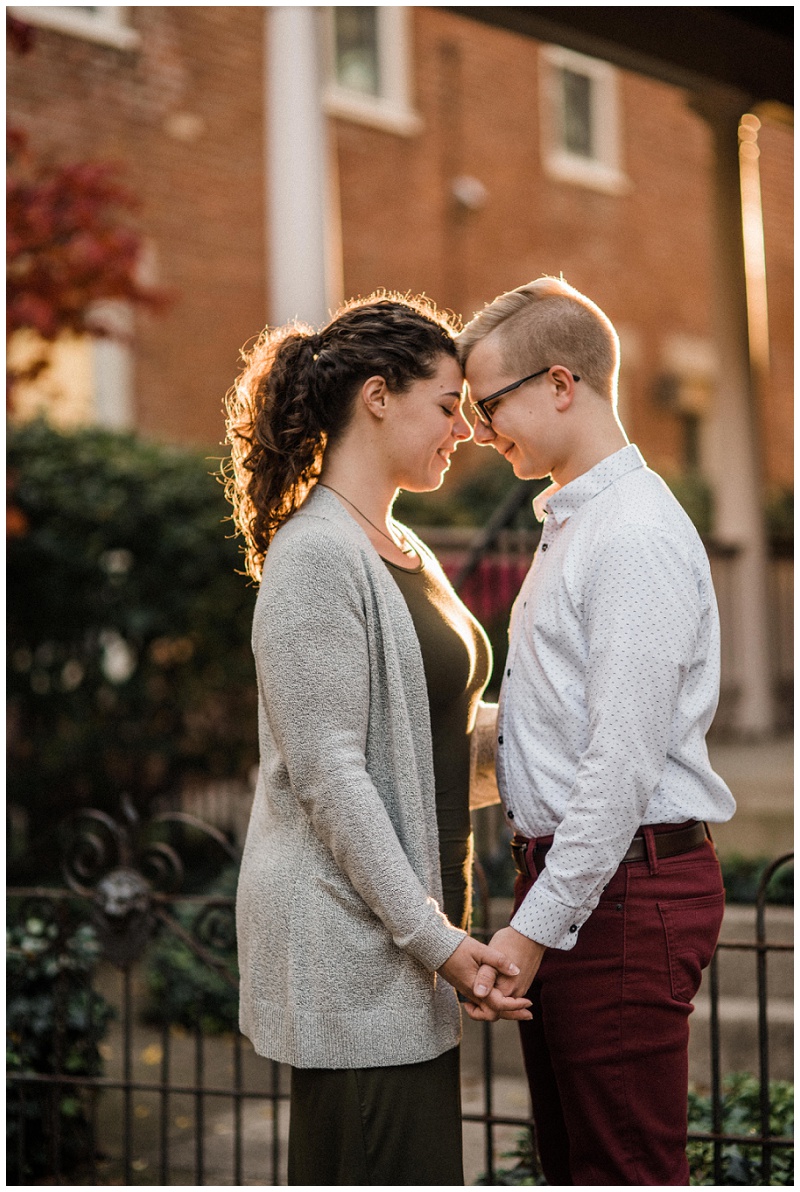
(133,882)
(122,915)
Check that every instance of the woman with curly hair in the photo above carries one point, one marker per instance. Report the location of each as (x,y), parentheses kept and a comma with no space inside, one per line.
(353,896)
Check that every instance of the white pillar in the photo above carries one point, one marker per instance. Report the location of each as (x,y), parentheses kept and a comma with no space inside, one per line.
(734,457)
(303,237)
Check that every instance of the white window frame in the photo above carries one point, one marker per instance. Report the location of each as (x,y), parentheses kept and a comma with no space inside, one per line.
(108,26)
(113,366)
(603,171)
(392,110)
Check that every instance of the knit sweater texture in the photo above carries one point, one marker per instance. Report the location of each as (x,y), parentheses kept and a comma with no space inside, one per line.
(338,920)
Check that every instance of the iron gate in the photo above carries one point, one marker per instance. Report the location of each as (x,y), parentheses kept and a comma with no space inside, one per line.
(142,1103)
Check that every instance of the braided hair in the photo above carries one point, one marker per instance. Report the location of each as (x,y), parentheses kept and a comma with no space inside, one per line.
(296,394)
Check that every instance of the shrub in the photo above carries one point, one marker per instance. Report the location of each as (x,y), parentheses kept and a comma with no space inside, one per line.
(742,876)
(182,988)
(54,1023)
(740,1115)
(128,625)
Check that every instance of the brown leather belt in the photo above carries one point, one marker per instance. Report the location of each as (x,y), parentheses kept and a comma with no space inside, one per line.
(667,844)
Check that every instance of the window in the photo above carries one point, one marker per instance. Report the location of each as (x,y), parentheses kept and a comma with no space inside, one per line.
(368,66)
(84,380)
(106,23)
(580,120)
(357,64)
(62,389)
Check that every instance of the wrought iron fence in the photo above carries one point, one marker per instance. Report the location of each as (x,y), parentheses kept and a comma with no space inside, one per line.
(764,1138)
(100,1101)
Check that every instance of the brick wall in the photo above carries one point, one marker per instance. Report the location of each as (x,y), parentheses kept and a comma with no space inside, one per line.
(644,256)
(184,116)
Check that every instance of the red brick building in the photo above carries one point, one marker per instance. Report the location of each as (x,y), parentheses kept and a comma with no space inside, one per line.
(286,161)
(466,200)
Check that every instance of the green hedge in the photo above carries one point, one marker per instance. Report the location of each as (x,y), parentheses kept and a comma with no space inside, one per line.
(741,1115)
(49,967)
(182,989)
(130,668)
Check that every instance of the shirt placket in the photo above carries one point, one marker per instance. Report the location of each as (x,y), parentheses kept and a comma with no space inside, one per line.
(505,778)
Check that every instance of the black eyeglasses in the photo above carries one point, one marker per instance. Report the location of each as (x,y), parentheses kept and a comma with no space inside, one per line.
(479,407)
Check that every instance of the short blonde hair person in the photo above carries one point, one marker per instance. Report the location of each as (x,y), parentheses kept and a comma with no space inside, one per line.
(549,322)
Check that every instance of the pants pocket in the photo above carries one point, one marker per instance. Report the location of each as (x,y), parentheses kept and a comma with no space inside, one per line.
(691,926)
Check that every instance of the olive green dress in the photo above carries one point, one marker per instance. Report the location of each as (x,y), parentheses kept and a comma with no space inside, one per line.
(402,1124)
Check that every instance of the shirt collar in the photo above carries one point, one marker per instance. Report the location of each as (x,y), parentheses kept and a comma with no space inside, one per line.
(560,503)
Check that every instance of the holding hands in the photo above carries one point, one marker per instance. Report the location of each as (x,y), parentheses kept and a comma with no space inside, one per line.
(495,977)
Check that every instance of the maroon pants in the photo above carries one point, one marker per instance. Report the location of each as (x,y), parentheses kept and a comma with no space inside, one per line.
(607,1050)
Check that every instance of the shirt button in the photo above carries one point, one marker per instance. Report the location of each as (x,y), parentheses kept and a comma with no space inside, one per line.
(573,929)
(499,740)
(510,813)
(544,546)
(508,672)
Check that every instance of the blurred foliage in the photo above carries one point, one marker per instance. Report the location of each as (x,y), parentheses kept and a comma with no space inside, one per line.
(741,1165)
(130,668)
(741,1114)
(182,989)
(465,501)
(70,244)
(471,500)
(694,494)
(526,1171)
(54,1023)
(742,876)
(780,517)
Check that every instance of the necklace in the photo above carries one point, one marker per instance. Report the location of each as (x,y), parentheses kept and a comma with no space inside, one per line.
(406,550)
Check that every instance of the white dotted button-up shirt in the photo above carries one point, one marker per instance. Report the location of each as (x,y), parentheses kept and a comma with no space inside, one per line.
(611,684)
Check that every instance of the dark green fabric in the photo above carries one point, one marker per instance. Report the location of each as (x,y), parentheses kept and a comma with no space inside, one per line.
(457,659)
(380,1126)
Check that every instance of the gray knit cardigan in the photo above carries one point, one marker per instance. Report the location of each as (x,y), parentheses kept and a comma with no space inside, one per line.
(338,918)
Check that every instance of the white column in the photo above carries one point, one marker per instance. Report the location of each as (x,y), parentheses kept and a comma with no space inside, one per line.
(734,457)
(303,238)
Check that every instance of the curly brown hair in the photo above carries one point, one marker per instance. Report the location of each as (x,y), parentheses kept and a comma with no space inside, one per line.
(295,395)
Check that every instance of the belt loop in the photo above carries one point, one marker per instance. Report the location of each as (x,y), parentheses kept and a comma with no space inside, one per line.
(650,845)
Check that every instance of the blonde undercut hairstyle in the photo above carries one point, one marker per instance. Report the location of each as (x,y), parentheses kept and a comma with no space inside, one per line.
(549,322)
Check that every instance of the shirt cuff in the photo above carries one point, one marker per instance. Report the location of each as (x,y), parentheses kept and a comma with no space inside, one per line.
(543,919)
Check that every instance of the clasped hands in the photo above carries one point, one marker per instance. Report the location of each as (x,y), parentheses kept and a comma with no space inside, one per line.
(494,977)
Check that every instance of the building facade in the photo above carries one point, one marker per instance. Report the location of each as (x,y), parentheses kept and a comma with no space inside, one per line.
(289,157)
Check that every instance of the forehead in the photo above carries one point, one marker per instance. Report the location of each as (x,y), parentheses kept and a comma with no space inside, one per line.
(484,368)
(447,377)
